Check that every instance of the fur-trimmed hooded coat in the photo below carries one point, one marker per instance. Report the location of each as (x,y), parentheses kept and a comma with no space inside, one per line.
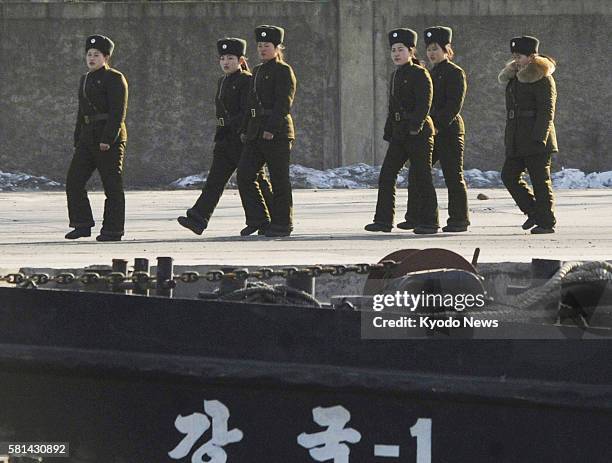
(531,96)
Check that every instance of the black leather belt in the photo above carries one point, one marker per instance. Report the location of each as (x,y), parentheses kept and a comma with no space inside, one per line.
(94,117)
(400,116)
(260,112)
(515,113)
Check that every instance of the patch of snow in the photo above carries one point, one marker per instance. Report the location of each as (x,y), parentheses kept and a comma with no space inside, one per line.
(24,182)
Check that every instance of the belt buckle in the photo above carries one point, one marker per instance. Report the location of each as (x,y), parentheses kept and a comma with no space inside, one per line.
(398,117)
(221,122)
(86,119)
(253,112)
(511,114)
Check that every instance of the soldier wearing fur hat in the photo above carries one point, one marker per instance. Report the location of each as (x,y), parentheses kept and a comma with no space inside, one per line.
(530,137)
(100,138)
(409,131)
(449,93)
(231,107)
(269,133)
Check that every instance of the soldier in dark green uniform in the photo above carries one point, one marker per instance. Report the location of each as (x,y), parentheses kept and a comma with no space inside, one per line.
(449,93)
(269,134)
(409,131)
(100,137)
(231,107)
(530,137)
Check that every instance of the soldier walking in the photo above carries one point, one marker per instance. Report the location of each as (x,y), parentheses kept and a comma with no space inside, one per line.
(409,131)
(530,137)
(269,133)
(100,138)
(450,86)
(231,108)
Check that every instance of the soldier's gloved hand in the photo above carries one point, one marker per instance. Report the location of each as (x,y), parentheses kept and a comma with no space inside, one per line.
(104,147)
(268,135)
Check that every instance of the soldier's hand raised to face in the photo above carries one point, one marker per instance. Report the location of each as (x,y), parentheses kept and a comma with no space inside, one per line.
(268,135)
(104,147)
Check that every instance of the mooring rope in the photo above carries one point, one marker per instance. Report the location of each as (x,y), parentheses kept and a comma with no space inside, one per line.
(570,272)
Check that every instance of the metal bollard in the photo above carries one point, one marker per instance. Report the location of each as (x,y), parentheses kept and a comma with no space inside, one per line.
(302,282)
(119,266)
(165,283)
(141,265)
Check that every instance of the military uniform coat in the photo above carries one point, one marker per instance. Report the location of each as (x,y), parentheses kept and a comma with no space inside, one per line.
(103,101)
(270,98)
(409,131)
(269,101)
(530,137)
(410,98)
(231,105)
(531,96)
(104,91)
(450,87)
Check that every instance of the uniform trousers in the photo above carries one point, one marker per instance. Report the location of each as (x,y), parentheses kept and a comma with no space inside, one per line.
(226,157)
(275,154)
(88,158)
(448,149)
(538,203)
(418,150)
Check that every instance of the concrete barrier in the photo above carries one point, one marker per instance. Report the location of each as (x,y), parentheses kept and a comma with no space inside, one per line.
(339,52)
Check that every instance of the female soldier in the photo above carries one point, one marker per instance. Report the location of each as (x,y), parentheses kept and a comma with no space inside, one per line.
(449,92)
(269,133)
(530,132)
(100,137)
(409,131)
(230,100)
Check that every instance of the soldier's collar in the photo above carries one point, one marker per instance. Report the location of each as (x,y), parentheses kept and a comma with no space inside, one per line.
(235,74)
(441,63)
(100,71)
(273,60)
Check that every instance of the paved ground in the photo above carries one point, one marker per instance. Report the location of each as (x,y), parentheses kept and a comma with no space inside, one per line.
(328,229)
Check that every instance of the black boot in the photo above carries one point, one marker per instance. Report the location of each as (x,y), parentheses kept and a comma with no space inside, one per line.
(405,225)
(191,224)
(250,229)
(102,237)
(542,230)
(455,228)
(529,223)
(426,230)
(78,233)
(275,232)
(378,227)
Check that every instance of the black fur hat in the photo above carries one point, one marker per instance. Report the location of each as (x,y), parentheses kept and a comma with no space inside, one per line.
(231,46)
(439,34)
(101,43)
(406,36)
(525,45)
(273,34)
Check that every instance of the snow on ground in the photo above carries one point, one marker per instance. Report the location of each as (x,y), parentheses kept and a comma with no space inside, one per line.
(25,182)
(366,176)
(355,176)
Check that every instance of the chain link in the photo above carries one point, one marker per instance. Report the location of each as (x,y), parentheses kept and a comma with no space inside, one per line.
(144,280)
